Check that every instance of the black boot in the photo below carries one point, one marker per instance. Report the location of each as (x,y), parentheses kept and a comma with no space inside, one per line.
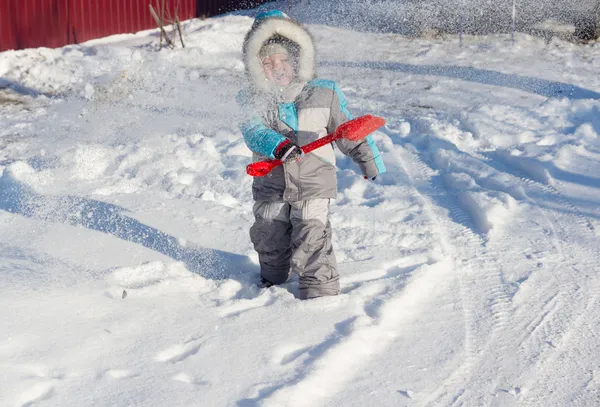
(264,283)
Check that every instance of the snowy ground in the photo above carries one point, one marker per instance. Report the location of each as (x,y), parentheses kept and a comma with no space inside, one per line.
(470,272)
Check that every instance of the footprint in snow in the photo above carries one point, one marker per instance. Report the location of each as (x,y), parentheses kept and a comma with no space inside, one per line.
(120,373)
(289,353)
(401,267)
(32,371)
(178,353)
(236,290)
(406,393)
(240,306)
(40,391)
(185,378)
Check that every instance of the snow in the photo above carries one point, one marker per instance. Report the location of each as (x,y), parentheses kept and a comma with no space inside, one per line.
(469,272)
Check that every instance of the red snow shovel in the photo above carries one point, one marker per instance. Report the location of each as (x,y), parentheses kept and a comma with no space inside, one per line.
(354,130)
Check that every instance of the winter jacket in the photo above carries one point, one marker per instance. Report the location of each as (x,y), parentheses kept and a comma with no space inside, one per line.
(302,112)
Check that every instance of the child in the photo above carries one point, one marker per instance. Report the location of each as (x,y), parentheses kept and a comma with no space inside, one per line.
(286,107)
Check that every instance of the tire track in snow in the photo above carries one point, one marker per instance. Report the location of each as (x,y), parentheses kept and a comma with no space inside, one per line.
(553,334)
(565,304)
(557,351)
(486,314)
(549,307)
(560,221)
(503,163)
(533,307)
(555,321)
(485,299)
(421,175)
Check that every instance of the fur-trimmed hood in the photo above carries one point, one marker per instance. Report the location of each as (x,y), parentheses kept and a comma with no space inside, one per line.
(270,24)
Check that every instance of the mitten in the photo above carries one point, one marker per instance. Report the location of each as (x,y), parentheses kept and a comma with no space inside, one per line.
(288,152)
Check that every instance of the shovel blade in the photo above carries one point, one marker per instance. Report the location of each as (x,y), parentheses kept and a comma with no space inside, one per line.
(360,127)
(261,168)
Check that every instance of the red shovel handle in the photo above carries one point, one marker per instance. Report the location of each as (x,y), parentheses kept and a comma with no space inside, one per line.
(353,130)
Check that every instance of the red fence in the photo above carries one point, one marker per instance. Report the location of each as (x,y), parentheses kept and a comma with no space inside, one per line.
(54,23)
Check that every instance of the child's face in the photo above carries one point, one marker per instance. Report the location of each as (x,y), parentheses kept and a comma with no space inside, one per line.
(278,69)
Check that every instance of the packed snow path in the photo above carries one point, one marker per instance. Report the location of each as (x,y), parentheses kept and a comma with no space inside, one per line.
(470,272)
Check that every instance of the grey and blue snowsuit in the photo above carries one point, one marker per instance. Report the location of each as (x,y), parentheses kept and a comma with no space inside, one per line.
(292,232)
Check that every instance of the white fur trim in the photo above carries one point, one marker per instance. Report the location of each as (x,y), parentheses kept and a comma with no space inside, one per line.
(270,49)
(285,28)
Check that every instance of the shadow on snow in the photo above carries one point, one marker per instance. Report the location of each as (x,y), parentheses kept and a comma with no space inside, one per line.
(529,84)
(20,89)
(20,199)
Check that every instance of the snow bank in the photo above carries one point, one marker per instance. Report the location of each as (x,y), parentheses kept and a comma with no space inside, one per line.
(489,210)
(490,197)
(530,166)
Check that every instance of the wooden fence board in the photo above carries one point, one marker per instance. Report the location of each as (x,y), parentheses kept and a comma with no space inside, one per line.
(55,23)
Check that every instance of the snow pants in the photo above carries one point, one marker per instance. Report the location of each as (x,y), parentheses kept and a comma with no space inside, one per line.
(296,237)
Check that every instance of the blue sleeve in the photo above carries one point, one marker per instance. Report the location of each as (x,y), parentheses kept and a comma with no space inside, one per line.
(259,138)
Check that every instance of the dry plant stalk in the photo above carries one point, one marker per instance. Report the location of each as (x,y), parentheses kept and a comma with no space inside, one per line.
(165,17)
(179,30)
(163,33)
